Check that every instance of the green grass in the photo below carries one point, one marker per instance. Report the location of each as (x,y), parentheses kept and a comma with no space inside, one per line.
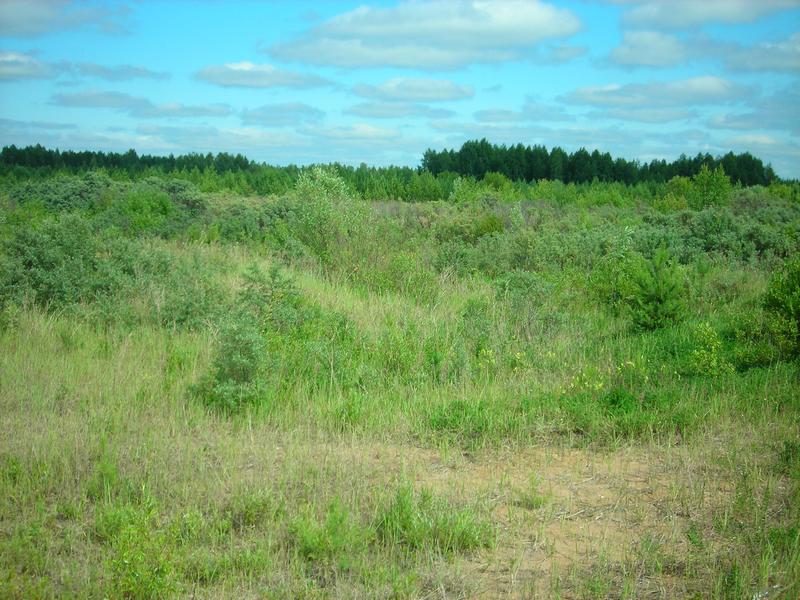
(199,423)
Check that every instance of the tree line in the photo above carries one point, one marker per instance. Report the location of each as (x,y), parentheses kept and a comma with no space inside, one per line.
(532,163)
(432,180)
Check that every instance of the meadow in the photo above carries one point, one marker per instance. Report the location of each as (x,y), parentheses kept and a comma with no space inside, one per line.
(540,390)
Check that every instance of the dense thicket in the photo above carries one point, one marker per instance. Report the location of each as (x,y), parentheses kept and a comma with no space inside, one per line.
(433,180)
(529,163)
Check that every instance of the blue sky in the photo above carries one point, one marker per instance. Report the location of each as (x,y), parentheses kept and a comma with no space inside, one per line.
(379,82)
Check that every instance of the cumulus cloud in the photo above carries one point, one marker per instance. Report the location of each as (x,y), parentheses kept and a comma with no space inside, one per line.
(532,110)
(250,75)
(16,65)
(649,49)
(645,114)
(397,110)
(783,55)
(360,132)
(25,18)
(136,106)
(206,138)
(281,115)
(677,14)
(118,72)
(657,49)
(9,125)
(678,93)
(437,34)
(779,111)
(415,90)
(22,65)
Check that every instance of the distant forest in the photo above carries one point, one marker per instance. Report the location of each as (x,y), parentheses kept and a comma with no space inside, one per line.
(519,163)
(530,163)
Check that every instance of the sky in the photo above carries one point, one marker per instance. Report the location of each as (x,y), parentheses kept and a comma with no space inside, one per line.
(379,82)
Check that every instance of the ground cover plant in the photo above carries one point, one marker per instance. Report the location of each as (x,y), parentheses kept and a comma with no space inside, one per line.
(524,389)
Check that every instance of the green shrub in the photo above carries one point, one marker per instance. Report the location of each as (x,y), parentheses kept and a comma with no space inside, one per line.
(658,292)
(783,298)
(140,210)
(762,338)
(707,357)
(140,560)
(329,216)
(67,193)
(612,281)
(55,264)
(710,188)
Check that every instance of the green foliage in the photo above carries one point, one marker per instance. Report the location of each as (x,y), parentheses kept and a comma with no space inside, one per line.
(329,218)
(707,357)
(337,541)
(762,338)
(54,265)
(237,371)
(139,210)
(709,188)
(66,193)
(658,293)
(423,521)
(679,190)
(782,298)
(139,559)
(473,421)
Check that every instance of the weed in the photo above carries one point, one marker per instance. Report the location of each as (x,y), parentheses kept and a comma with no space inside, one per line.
(423,521)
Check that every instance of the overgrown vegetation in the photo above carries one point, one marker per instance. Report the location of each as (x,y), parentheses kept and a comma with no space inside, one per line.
(209,384)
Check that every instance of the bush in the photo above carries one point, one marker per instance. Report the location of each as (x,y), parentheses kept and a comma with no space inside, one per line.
(762,338)
(658,291)
(707,356)
(236,372)
(329,216)
(266,303)
(53,265)
(141,209)
(67,193)
(783,298)
(710,188)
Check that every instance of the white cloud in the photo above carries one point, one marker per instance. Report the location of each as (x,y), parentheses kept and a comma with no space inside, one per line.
(396,110)
(12,125)
(678,14)
(779,111)
(696,90)
(136,106)
(250,75)
(431,34)
(21,65)
(16,65)
(649,49)
(645,114)
(205,138)
(531,111)
(408,89)
(24,18)
(118,72)
(360,132)
(281,115)
(783,55)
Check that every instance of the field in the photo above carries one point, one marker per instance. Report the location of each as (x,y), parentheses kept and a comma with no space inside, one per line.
(541,392)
